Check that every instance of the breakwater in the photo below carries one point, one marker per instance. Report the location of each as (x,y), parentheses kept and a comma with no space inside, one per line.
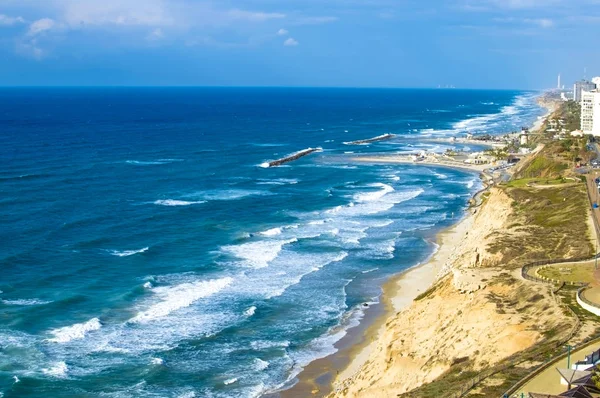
(290,158)
(369,140)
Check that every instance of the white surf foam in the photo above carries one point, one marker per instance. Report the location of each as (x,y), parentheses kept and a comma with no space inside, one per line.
(258,254)
(226,194)
(25,302)
(147,285)
(58,369)
(180,296)
(230,381)
(259,364)
(278,181)
(157,361)
(259,345)
(250,311)
(372,196)
(174,202)
(126,253)
(74,332)
(16,379)
(145,163)
(272,232)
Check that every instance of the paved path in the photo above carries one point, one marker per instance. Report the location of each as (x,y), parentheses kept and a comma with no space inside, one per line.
(548,382)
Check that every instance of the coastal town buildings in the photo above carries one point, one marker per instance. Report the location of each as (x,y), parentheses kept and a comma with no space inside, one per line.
(596,81)
(590,112)
(580,86)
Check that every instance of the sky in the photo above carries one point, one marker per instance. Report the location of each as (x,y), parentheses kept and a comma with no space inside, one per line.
(504,44)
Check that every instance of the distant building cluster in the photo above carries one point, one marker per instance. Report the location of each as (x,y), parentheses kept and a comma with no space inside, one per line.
(581,86)
(587,94)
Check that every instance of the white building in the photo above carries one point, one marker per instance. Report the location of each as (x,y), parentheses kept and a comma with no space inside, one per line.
(524,139)
(582,85)
(596,81)
(590,112)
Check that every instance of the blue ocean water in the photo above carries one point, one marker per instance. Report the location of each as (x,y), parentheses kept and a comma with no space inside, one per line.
(144,252)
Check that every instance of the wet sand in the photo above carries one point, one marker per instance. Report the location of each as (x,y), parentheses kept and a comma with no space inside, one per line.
(320,377)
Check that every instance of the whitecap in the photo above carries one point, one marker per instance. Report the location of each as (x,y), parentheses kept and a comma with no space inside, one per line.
(259,345)
(369,270)
(272,232)
(372,196)
(59,369)
(230,381)
(74,332)
(174,202)
(259,364)
(180,296)
(126,253)
(145,163)
(25,302)
(258,254)
(16,379)
(250,311)
(226,194)
(157,361)
(279,181)
(147,285)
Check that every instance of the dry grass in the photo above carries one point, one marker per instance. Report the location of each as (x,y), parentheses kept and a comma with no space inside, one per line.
(547,223)
(570,272)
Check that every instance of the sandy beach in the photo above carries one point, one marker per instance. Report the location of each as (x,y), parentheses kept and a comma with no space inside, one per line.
(401,290)
(323,376)
(399,159)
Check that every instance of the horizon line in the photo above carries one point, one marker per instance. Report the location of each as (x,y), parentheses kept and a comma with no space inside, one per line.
(49,86)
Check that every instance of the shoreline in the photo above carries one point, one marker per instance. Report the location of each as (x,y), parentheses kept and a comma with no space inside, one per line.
(399,159)
(402,289)
(327,375)
(324,376)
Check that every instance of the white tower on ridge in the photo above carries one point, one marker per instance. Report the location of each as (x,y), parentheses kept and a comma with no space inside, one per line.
(558,86)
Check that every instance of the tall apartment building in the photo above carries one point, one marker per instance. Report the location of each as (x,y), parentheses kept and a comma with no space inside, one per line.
(582,85)
(590,112)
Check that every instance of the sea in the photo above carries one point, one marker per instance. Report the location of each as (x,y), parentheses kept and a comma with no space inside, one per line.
(144,251)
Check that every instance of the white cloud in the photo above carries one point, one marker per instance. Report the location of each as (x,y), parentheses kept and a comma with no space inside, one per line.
(117,12)
(40,26)
(5,20)
(253,16)
(315,20)
(542,22)
(282,32)
(291,42)
(156,34)
(524,4)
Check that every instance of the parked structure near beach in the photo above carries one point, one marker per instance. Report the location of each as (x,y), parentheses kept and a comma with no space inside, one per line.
(590,112)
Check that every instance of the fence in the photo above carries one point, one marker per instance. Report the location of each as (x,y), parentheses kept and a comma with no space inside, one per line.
(526,275)
(587,304)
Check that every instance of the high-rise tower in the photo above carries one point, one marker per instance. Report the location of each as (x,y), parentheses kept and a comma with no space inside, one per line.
(558,86)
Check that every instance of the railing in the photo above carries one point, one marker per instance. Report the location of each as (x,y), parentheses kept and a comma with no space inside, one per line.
(525,269)
(539,355)
(536,355)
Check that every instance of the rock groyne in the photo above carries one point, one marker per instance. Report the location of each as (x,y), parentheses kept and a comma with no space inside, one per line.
(290,158)
(369,140)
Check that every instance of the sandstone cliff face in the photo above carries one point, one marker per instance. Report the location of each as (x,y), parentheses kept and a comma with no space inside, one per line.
(476,312)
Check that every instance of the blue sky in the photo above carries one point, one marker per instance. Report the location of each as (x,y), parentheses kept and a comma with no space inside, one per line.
(371,43)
